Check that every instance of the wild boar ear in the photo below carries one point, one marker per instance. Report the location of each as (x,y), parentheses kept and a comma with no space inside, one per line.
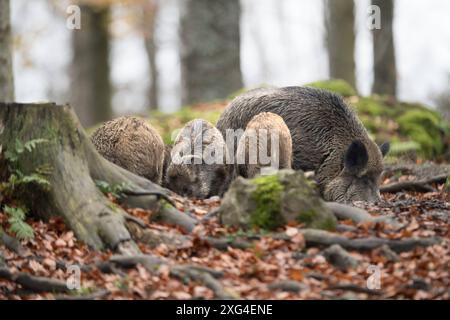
(356,157)
(384,148)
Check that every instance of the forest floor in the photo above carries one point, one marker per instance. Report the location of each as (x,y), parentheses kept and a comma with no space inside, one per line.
(262,267)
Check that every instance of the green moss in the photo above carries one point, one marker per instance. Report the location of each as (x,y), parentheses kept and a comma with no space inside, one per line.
(425,128)
(307,217)
(374,106)
(335,85)
(403,147)
(327,224)
(268,202)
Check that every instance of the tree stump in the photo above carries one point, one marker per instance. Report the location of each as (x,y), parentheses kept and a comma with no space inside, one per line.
(74,166)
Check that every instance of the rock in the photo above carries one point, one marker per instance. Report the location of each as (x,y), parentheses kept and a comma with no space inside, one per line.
(271,201)
(340,258)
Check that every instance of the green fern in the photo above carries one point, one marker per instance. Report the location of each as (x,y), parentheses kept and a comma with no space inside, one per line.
(13,155)
(18,226)
(17,215)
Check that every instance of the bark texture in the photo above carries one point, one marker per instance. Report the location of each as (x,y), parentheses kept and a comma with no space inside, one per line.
(6,67)
(385,70)
(91,85)
(340,21)
(210,49)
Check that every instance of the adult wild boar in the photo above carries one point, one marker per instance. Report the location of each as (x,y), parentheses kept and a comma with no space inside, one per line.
(327,138)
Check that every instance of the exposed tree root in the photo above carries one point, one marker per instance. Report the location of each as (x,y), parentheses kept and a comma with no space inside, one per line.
(324,238)
(34,283)
(153,238)
(101,294)
(75,165)
(287,285)
(358,215)
(200,274)
(205,278)
(355,288)
(12,244)
(415,186)
(225,243)
(340,258)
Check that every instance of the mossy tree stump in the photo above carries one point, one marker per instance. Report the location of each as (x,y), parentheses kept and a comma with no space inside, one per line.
(74,165)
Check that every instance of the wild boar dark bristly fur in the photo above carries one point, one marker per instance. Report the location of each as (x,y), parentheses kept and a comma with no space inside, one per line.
(188,173)
(264,129)
(327,138)
(132,144)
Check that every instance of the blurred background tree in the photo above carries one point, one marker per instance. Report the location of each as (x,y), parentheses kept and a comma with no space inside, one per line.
(210,49)
(340,26)
(384,65)
(90,71)
(150,12)
(6,64)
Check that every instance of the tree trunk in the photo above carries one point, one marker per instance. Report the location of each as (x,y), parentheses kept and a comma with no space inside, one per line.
(6,68)
(210,49)
(340,21)
(75,165)
(150,13)
(91,85)
(385,70)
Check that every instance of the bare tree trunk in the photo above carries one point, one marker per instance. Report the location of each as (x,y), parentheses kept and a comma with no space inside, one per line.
(385,70)
(6,68)
(210,49)
(150,13)
(340,21)
(91,85)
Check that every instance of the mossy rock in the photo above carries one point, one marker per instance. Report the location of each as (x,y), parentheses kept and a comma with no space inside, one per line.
(271,201)
(425,128)
(335,85)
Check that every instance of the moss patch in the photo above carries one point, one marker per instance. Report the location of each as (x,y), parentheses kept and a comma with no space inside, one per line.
(267,197)
(423,127)
(336,85)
